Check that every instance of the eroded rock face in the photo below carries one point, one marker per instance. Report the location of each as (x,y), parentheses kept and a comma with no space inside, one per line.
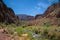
(7,15)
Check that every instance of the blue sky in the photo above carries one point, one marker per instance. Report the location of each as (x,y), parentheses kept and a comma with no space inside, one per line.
(29,7)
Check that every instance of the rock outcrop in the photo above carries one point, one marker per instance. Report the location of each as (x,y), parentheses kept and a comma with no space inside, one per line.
(7,15)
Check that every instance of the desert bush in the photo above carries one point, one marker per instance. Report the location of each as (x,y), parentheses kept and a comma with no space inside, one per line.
(51,33)
(30,35)
(13,25)
(20,30)
(9,30)
(2,25)
(34,38)
(47,24)
(23,23)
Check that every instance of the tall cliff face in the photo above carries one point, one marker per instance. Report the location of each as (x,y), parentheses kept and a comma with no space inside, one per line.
(7,15)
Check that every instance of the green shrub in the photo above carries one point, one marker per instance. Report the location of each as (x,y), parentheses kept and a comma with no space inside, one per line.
(10,30)
(13,25)
(2,25)
(20,30)
(23,23)
(47,24)
(34,38)
(30,34)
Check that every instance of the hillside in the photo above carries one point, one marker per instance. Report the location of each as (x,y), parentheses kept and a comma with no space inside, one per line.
(25,17)
(51,15)
(49,10)
(6,14)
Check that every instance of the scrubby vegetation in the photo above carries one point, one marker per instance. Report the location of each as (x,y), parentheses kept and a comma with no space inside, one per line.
(32,32)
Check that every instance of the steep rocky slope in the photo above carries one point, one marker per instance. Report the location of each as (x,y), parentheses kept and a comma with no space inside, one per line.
(7,15)
(51,16)
(49,11)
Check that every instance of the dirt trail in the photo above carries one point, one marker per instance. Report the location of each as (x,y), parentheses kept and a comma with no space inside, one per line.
(5,37)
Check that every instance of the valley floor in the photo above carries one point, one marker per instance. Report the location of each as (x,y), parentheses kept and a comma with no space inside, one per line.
(13,32)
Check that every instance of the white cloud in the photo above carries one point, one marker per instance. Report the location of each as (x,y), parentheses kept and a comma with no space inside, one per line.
(43,5)
(52,1)
(36,9)
(11,3)
(39,8)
